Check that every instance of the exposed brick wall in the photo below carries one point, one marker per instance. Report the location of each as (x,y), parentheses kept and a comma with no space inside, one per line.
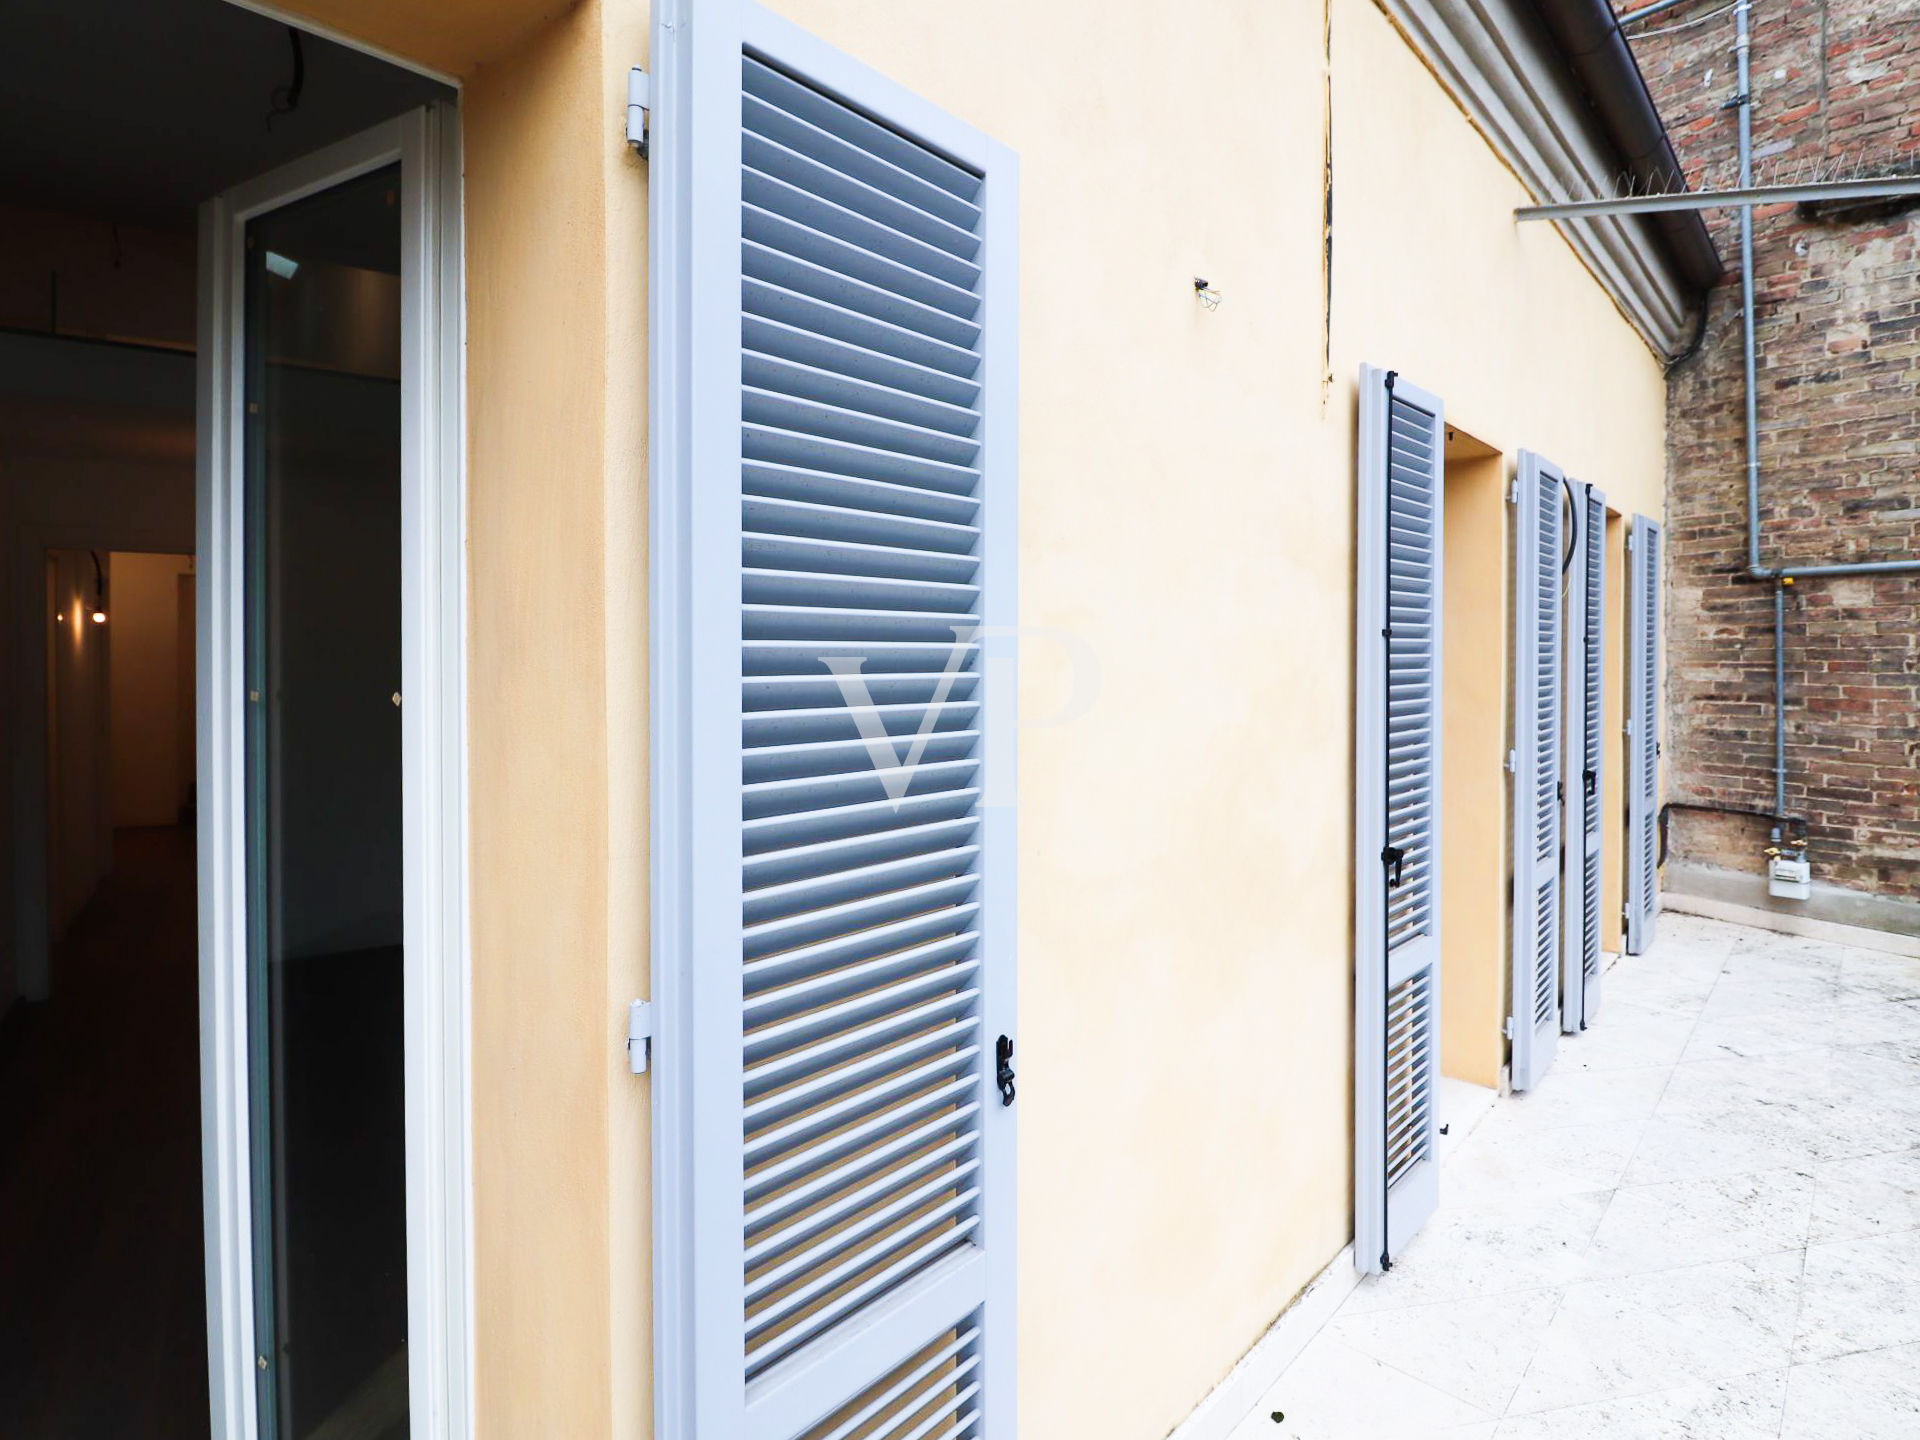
(1836,82)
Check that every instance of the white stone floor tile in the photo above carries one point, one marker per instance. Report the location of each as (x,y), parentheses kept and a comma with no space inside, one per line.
(1705,1222)
(1873,1195)
(1333,1392)
(1746,1407)
(1475,1350)
(1874,1395)
(1859,1295)
(1658,1331)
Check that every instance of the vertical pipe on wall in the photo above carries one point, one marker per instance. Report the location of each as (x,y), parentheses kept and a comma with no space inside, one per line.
(1779,706)
(1743,102)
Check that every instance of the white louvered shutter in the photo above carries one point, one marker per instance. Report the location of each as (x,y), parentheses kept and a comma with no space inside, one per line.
(1537,664)
(1401,512)
(1584,779)
(834,757)
(1643,739)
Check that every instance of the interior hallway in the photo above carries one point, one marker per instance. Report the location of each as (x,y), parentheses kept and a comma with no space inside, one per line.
(102,1328)
(1704,1223)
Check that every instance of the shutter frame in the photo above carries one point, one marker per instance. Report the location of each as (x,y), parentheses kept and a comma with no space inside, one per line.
(1643,749)
(1393,1197)
(706,413)
(1538,663)
(1583,710)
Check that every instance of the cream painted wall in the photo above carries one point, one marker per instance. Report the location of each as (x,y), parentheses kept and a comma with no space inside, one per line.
(1475,833)
(1187,502)
(1184,952)
(149,782)
(1433,277)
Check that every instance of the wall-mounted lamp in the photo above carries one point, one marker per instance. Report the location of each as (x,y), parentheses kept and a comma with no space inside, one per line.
(99,589)
(1208,297)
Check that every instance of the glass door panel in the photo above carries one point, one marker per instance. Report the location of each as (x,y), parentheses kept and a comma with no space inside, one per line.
(323,740)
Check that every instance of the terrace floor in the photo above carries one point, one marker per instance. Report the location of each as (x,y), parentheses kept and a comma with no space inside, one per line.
(1706,1222)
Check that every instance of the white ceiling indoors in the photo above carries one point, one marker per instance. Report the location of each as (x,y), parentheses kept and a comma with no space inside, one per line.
(135,111)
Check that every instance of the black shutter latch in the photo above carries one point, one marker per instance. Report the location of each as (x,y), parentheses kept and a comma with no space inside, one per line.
(1393,857)
(1003,1068)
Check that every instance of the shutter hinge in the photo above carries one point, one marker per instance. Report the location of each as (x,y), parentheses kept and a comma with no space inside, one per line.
(1506,1027)
(1513,763)
(1513,491)
(639,1035)
(639,112)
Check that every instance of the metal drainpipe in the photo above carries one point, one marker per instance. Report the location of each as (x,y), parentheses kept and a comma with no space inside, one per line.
(1784,576)
(1647,11)
(1743,105)
(1779,706)
(1743,100)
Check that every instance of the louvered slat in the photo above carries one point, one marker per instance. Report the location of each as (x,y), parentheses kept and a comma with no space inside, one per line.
(861,739)
(1643,881)
(1580,975)
(833,326)
(1539,666)
(1397,813)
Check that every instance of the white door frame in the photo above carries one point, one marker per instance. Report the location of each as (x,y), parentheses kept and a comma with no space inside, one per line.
(439,1203)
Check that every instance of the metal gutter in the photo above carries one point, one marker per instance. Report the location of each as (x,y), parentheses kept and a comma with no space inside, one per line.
(1588,36)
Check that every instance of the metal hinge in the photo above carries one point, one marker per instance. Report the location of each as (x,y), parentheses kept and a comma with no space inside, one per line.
(1506,1027)
(1513,763)
(639,1035)
(1513,491)
(639,111)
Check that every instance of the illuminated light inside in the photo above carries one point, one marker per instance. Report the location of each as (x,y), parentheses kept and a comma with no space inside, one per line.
(99,617)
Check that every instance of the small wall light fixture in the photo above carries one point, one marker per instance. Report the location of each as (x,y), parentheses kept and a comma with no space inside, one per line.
(1208,297)
(99,590)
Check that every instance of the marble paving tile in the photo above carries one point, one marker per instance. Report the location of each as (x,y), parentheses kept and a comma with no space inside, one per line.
(1859,1295)
(1680,990)
(1703,1223)
(1649,1228)
(1733,1141)
(1873,1195)
(1568,1096)
(1475,1350)
(1628,1036)
(1874,975)
(1333,1392)
(1773,1032)
(1708,1086)
(1616,1338)
(1744,1407)
(1870,1396)
(1501,1165)
(1773,991)
(1487,1249)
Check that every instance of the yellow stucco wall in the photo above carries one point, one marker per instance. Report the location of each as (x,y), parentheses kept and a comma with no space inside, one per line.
(1434,278)
(1186,513)
(1475,784)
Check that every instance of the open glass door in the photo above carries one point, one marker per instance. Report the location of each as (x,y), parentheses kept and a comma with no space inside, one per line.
(326,942)
(333,969)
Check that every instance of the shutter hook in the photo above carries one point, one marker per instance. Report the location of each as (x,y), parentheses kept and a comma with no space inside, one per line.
(1393,857)
(1003,1068)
